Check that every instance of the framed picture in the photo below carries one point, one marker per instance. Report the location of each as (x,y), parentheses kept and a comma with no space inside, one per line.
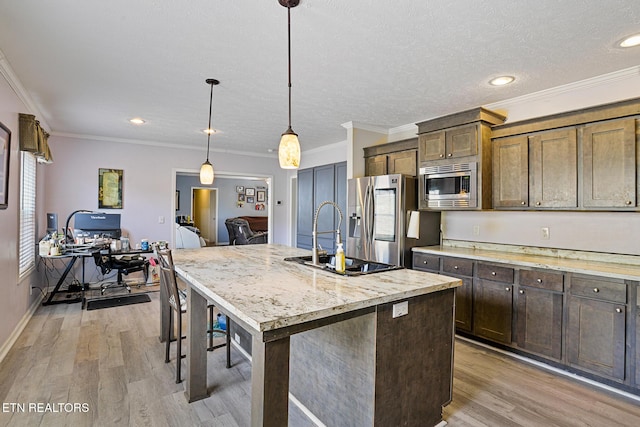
(250,199)
(177,200)
(239,188)
(5,150)
(241,197)
(249,192)
(261,195)
(110,188)
(259,206)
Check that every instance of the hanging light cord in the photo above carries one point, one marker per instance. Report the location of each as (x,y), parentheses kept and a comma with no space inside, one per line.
(289,40)
(209,128)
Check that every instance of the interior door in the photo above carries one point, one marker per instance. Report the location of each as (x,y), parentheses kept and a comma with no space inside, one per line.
(201,212)
(213,216)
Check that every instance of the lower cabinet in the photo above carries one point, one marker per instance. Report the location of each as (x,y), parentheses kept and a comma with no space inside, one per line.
(493,302)
(590,324)
(539,308)
(596,332)
(461,269)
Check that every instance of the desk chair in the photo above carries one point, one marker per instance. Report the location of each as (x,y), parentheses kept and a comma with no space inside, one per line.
(177,301)
(107,262)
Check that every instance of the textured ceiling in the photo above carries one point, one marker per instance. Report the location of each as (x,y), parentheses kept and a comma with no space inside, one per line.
(91,65)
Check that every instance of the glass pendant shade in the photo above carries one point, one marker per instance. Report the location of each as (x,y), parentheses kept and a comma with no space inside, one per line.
(289,150)
(206,173)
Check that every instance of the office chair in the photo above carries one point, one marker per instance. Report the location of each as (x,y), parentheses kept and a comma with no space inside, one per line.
(177,300)
(107,262)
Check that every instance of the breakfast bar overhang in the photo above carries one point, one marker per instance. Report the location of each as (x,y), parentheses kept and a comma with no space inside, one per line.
(377,348)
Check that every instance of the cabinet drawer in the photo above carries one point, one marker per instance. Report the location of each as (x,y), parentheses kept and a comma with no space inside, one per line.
(460,266)
(495,273)
(426,262)
(599,288)
(542,280)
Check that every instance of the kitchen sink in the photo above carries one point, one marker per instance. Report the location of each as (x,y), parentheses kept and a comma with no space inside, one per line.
(353,266)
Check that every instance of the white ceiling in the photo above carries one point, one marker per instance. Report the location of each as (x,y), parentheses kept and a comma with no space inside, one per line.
(91,65)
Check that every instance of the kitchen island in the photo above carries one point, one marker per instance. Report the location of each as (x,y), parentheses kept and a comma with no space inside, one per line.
(363,350)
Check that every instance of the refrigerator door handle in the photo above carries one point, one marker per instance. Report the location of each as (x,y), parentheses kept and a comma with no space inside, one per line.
(365,222)
(370,222)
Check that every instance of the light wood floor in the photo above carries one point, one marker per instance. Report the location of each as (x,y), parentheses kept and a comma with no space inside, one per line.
(112,360)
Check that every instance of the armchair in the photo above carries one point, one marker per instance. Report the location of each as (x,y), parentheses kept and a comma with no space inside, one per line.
(242,233)
(107,262)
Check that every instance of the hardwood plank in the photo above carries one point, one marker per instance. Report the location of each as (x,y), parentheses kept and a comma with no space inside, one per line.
(138,388)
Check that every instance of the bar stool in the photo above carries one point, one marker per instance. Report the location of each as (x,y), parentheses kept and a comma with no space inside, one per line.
(177,302)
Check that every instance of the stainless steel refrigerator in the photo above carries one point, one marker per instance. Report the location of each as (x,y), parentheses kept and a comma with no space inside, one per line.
(378,211)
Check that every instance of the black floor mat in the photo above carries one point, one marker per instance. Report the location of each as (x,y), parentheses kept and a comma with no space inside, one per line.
(118,301)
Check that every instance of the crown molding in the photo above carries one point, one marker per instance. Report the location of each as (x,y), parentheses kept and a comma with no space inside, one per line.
(14,82)
(95,138)
(365,126)
(548,94)
(409,127)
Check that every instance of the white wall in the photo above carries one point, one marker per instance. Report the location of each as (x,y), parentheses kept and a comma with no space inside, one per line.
(611,232)
(15,298)
(149,189)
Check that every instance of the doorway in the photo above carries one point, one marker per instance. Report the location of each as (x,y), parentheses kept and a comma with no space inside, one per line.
(204,211)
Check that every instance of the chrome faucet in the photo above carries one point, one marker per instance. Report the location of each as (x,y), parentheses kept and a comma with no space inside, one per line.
(314,250)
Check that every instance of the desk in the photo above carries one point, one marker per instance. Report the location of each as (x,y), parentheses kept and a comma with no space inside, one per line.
(274,299)
(71,256)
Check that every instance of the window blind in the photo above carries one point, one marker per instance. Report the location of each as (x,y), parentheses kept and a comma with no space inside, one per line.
(27,251)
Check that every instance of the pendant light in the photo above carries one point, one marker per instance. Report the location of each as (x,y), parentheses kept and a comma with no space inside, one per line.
(289,148)
(206,170)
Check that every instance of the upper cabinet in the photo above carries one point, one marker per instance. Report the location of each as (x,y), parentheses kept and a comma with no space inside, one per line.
(582,160)
(537,170)
(609,164)
(395,157)
(453,145)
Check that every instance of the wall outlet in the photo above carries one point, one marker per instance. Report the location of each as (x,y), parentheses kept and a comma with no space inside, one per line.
(476,230)
(236,338)
(545,233)
(160,220)
(400,309)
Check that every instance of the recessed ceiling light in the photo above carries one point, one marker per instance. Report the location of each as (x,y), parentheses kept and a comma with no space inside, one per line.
(501,81)
(631,41)
(137,121)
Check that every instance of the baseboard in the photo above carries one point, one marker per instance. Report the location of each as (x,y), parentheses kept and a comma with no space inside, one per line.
(8,344)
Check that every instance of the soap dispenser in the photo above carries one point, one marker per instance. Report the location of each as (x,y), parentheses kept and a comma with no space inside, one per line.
(340,261)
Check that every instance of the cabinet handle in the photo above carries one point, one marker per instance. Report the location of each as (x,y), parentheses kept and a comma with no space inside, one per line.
(449,155)
(441,155)
(521,292)
(538,203)
(507,289)
(455,267)
(424,262)
(522,203)
(618,310)
(539,280)
(596,290)
(493,273)
(628,202)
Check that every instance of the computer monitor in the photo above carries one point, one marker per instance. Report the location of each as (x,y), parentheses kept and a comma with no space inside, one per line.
(52,223)
(96,223)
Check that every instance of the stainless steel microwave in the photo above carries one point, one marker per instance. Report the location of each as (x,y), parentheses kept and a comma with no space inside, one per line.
(449,186)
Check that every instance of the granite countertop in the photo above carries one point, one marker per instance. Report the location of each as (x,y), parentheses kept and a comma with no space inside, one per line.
(573,262)
(254,284)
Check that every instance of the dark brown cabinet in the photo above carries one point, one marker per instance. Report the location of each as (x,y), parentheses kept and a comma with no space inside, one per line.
(493,302)
(511,172)
(449,144)
(538,170)
(539,309)
(395,157)
(609,164)
(461,269)
(596,332)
